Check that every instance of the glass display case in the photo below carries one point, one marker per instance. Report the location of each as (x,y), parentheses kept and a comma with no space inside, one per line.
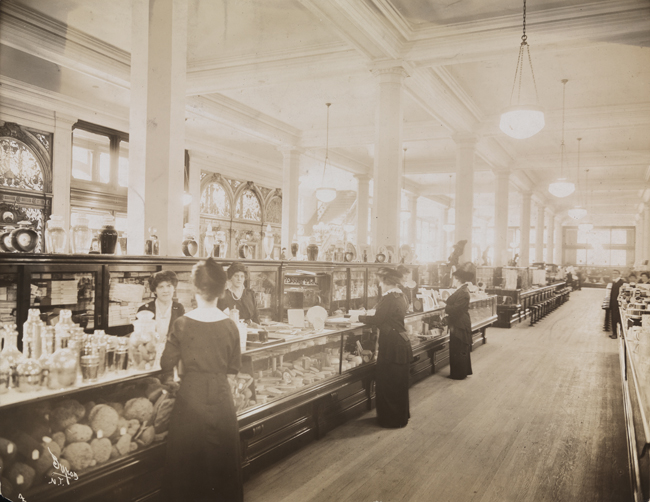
(373,291)
(303,288)
(9,294)
(128,289)
(340,289)
(357,288)
(264,280)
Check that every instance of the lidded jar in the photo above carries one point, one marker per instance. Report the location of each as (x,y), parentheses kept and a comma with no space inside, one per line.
(152,244)
(29,374)
(142,351)
(82,236)
(24,238)
(47,349)
(108,236)
(29,371)
(189,244)
(56,239)
(11,354)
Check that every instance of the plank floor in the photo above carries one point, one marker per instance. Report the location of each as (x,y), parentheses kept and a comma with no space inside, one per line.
(540,420)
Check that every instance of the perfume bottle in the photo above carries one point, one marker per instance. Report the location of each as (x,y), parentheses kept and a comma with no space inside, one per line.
(29,370)
(11,354)
(32,331)
(62,365)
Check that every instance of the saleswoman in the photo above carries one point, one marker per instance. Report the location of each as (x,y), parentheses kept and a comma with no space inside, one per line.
(166,310)
(460,327)
(238,296)
(394,352)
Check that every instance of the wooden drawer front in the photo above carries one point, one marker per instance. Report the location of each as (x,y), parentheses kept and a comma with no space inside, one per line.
(278,451)
(423,363)
(269,441)
(440,355)
(277,422)
(416,376)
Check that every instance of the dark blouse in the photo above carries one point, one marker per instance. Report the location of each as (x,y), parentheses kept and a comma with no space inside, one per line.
(246,305)
(457,308)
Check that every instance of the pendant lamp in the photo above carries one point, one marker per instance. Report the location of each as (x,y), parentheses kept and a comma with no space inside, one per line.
(326,193)
(578,212)
(562,187)
(449,227)
(521,121)
(407,210)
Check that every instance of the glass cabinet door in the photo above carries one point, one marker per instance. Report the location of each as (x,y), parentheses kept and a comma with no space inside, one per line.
(53,288)
(340,290)
(8,294)
(357,288)
(302,289)
(359,348)
(373,288)
(264,281)
(127,289)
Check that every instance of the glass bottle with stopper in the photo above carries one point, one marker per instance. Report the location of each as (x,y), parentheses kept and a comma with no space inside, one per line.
(10,354)
(268,242)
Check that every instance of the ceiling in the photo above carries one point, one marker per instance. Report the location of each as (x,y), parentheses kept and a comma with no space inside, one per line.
(260,72)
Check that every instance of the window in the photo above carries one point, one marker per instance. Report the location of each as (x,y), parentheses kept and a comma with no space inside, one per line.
(215,201)
(248,206)
(601,246)
(274,210)
(619,258)
(100,156)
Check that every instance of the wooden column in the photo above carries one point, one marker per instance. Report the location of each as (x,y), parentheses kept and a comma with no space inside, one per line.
(290,195)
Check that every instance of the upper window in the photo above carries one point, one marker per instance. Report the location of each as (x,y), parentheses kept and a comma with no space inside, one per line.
(214,201)
(248,206)
(100,156)
(18,166)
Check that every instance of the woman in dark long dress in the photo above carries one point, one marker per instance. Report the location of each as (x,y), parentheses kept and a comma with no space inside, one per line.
(460,328)
(394,353)
(203,450)
(239,296)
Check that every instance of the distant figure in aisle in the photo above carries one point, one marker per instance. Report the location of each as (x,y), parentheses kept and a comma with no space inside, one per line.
(203,451)
(644,278)
(614,313)
(163,284)
(239,296)
(395,354)
(460,327)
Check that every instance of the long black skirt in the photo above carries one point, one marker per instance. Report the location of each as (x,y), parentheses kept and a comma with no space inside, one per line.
(460,363)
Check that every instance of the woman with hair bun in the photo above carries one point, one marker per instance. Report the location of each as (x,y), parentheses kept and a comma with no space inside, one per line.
(394,352)
(203,451)
(460,326)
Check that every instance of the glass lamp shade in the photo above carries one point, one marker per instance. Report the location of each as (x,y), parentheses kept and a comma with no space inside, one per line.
(577,213)
(448,227)
(326,194)
(522,121)
(187,198)
(585,227)
(561,188)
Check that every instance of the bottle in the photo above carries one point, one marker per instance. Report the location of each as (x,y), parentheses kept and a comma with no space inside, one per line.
(268,242)
(32,331)
(29,370)
(152,245)
(11,354)
(82,236)
(108,236)
(24,238)
(209,241)
(56,239)
(221,246)
(47,349)
(5,240)
(62,365)
(122,355)
(189,245)
(100,346)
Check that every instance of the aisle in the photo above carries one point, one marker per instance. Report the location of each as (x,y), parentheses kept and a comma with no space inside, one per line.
(540,420)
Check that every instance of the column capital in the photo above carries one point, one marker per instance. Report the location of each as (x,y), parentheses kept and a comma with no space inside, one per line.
(526,195)
(464,140)
(363,178)
(389,69)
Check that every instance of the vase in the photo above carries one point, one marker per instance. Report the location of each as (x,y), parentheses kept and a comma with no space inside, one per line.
(294,250)
(312,252)
(82,236)
(268,243)
(55,237)
(245,251)
(5,240)
(108,236)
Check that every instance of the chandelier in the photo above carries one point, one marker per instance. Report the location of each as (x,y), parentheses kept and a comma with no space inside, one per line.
(521,121)
(326,193)
(562,187)
(578,212)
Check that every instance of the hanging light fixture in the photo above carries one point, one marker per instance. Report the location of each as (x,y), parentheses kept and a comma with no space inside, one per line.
(522,121)
(449,227)
(578,212)
(562,187)
(326,193)
(407,210)
(586,226)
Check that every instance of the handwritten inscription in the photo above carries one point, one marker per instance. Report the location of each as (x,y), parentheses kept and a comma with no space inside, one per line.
(63,477)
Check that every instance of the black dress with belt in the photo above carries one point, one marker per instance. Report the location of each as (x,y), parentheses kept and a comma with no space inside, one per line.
(246,305)
(393,361)
(460,333)
(203,450)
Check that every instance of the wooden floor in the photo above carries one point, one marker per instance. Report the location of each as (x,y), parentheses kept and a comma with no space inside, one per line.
(540,420)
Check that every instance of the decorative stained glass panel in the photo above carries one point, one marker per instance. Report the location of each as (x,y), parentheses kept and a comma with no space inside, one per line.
(18,166)
(248,206)
(274,212)
(37,217)
(214,201)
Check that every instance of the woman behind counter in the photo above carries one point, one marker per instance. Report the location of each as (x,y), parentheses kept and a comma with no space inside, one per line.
(166,310)
(395,354)
(460,327)
(239,296)
(203,451)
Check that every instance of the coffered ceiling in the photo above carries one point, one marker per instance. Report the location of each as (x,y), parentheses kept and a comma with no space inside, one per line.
(260,72)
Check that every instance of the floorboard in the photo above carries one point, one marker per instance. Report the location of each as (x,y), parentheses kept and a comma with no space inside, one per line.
(540,420)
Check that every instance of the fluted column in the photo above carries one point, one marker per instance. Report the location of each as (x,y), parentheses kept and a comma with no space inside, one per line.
(363,207)
(501,218)
(550,243)
(638,240)
(157,123)
(524,245)
(62,168)
(388,157)
(290,185)
(465,152)
(539,233)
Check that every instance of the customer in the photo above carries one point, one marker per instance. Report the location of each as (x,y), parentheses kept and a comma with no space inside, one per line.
(395,354)
(166,310)
(203,451)
(615,314)
(460,327)
(238,295)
